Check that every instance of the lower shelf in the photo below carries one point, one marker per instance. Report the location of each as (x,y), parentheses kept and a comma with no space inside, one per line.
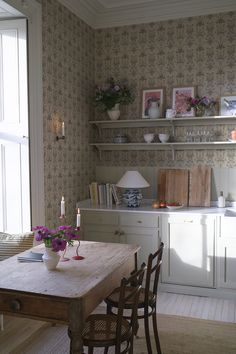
(214,145)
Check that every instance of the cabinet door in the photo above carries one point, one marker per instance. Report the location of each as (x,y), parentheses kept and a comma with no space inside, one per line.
(227,263)
(100,226)
(227,253)
(141,229)
(189,254)
(100,233)
(146,238)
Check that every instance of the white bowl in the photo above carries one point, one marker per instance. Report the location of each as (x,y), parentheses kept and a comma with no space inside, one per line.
(163,137)
(148,137)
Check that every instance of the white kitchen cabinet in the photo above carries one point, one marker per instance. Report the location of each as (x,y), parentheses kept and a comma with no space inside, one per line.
(141,229)
(122,227)
(189,254)
(100,226)
(227,253)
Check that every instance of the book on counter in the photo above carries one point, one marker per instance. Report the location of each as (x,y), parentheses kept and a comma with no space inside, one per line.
(31,257)
(105,194)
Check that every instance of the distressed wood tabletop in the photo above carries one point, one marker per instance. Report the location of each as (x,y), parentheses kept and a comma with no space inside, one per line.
(69,293)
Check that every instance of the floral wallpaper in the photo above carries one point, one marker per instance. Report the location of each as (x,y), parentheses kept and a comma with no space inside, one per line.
(68,83)
(198,51)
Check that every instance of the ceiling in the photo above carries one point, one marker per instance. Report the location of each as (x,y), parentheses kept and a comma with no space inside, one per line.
(7,11)
(110,13)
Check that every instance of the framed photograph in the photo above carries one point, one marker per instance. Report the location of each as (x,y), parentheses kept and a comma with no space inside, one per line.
(228,106)
(152,94)
(179,101)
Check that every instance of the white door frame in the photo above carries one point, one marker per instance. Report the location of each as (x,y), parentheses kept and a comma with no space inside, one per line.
(33,11)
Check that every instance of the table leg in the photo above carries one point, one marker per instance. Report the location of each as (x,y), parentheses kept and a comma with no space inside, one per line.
(75,328)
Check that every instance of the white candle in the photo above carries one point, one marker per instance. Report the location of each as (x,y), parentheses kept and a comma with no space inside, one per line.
(63,129)
(63,206)
(78,218)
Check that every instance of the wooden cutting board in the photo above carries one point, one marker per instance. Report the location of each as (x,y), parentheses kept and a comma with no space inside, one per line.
(173,185)
(200,186)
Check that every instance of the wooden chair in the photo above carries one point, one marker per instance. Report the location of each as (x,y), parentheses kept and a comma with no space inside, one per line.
(106,330)
(147,299)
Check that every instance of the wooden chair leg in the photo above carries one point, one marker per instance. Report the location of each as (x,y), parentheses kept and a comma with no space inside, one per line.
(90,350)
(109,309)
(136,329)
(147,335)
(156,336)
(106,350)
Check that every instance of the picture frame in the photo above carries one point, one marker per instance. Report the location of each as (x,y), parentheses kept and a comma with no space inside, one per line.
(179,101)
(228,105)
(147,95)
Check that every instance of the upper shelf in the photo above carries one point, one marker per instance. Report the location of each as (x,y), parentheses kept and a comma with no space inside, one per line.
(146,122)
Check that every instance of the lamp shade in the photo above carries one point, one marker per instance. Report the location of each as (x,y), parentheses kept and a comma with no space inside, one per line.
(132,179)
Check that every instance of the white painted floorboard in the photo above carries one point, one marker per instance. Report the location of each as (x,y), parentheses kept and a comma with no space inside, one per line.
(197,306)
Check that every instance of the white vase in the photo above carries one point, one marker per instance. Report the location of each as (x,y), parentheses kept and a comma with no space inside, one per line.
(50,258)
(154,111)
(114,113)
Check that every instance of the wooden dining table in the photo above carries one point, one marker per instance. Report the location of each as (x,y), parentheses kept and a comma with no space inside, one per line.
(69,293)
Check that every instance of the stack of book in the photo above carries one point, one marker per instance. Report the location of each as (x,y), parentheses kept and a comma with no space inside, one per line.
(31,257)
(105,194)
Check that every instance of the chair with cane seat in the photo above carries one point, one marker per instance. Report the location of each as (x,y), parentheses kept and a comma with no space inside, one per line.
(147,299)
(106,330)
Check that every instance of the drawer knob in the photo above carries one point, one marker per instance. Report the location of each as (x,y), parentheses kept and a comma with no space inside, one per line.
(15,305)
(139,222)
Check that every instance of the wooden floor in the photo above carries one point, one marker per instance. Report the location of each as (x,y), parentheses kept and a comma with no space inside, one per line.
(197,306)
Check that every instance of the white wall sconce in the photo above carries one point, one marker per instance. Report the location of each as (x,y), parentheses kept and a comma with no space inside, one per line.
(132,181)
(62,136)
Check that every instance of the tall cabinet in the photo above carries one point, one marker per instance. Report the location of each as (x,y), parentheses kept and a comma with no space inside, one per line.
(227,252)
(189,254)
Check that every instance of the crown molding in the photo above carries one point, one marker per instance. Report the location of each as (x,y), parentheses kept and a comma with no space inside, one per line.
(102,14)
(8,11)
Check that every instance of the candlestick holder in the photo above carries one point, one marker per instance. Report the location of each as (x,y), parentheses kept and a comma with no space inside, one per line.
(61,137)
(63,258)
(77,257)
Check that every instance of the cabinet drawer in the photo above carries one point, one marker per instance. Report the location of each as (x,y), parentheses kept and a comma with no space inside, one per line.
(99,217)
(138,219)
(228,227)
(189,219)
(35,307)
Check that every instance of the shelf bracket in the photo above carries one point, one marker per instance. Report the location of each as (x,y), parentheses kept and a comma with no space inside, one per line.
(99,152)
(99,129)
(173,128)
(173,153)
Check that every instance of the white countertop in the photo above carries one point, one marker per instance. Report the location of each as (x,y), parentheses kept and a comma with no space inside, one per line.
(146,207)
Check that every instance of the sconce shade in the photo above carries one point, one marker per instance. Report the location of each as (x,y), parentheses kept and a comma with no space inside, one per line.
(132,179)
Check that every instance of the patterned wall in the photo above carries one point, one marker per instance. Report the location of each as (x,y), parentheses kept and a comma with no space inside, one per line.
(199,51)
(68,83)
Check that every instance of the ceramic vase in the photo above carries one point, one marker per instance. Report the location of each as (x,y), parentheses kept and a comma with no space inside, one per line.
(154,111)
(50,258)
(114,113)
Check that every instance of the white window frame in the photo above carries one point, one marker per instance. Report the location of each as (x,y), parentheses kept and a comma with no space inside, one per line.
(33,11)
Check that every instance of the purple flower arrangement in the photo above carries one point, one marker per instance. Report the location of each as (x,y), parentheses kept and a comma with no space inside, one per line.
(201,102)
(108,95)
(56,239)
